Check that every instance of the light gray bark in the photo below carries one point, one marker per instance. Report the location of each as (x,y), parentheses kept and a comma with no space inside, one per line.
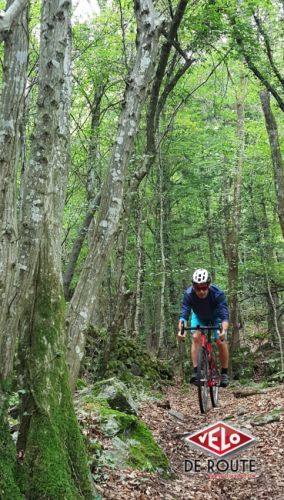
(8,18)
(47,421)
(157,102)
(41,185)
(87,290)
(11,116)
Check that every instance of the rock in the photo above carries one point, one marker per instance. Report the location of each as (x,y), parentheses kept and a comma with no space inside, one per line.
(241,411)
(116,394)
(265,419)
(113,422)
(176,414)
(245,393)
(137,449)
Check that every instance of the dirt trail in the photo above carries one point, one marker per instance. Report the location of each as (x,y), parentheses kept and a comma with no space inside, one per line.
(268,451)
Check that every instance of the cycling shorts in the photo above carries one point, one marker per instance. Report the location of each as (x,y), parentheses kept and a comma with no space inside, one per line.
(196,321)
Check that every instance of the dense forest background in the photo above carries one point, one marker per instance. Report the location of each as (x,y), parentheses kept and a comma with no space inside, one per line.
(137,143)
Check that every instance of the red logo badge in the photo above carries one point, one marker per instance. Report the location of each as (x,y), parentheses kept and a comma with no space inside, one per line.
(220,439)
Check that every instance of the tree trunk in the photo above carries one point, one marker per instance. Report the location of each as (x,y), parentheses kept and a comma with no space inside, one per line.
(140,267)
(267,257)
(92,187)
(14,30)
(277,161)
(162,322)
(152,120)
(77,246)
(210,234)
(234,224)
(55,462)
(14,83)
(87,290)
(156,106)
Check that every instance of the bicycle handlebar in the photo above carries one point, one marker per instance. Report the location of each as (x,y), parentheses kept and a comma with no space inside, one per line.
(198,327)
(201,328)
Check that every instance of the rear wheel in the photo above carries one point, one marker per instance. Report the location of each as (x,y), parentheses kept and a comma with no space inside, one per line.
(202,379)
(214,380)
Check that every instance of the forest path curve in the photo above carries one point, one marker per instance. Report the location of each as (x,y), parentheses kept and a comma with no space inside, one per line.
(268,451)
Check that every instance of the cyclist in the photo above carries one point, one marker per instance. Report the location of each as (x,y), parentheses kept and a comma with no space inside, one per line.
(208,306)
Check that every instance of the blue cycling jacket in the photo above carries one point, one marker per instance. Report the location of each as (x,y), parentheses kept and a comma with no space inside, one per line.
(212,307)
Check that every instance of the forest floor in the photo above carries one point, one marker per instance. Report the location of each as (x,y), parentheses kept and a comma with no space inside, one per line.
(181,415)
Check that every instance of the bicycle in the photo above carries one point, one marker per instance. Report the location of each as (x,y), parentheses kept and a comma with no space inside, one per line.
(208,372)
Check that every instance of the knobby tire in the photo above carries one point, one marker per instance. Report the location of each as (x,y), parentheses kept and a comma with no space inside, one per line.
(215,375)
(202,379)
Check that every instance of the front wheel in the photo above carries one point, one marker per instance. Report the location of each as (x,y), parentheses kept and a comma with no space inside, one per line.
(214,378)
(202,379)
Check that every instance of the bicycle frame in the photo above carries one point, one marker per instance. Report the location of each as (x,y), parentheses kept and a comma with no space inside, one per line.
(209,380)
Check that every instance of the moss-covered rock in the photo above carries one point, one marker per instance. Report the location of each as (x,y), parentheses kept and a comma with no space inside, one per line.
(144,452)
(132,442)
(116,394)
(130,361)
(115,422)
(265,419)
(135,447)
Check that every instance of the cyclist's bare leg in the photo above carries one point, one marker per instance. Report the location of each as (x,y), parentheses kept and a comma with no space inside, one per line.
(195,345)
(223,353)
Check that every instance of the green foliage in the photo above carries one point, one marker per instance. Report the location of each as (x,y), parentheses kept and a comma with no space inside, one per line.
(9,489)
(243,364)
(130,361)
(198,155)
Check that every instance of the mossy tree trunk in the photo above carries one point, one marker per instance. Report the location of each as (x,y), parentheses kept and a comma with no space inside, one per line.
(14,32)
(54,463)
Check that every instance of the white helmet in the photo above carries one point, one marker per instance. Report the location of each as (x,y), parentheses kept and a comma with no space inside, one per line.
(201,276)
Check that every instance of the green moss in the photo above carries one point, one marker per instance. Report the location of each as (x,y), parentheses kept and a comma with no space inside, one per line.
(81,384)
(129,361)
(55,464)
(146,454)
(113,419)
(117,395)
(277,411)
(134,443)
(9,490)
